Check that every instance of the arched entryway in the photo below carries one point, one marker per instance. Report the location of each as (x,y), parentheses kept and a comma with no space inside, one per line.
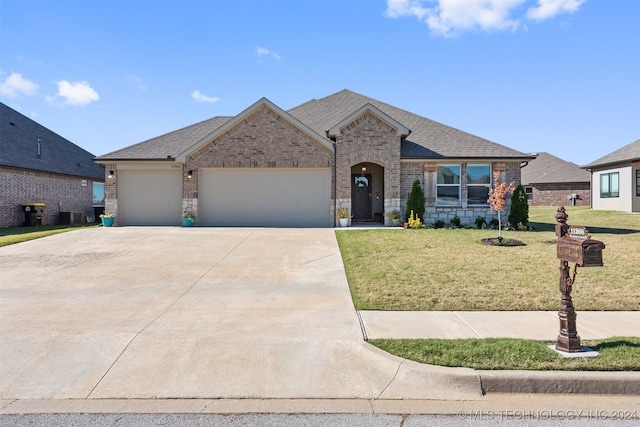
(367,193)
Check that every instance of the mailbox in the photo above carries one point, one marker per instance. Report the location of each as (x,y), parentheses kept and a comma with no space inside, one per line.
(584,252)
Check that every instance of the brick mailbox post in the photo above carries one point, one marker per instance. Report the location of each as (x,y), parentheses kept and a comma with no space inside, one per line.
(574,245)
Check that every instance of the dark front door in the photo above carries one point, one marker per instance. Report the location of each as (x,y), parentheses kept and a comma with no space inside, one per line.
(361,197)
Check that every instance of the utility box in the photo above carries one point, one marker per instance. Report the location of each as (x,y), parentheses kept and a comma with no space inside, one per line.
(33,213)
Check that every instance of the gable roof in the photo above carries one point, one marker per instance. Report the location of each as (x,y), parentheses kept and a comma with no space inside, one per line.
(181,157)
(428,139)
(401,130)
(549,169)
(19,136)
(628,153)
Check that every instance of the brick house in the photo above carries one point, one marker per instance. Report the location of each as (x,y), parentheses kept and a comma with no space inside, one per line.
(551,181)
(295,168)
(39,166)
(615,180)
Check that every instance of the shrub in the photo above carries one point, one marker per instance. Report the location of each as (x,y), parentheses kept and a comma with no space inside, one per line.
(519,213)
(439,224)
(415,202)
(455,222)
(494,223)
(481,222)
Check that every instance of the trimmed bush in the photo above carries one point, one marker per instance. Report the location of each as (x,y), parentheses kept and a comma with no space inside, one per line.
(519,214)
(415,202)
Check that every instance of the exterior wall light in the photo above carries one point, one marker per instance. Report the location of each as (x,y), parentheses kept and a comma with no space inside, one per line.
(190,174)
(110,174)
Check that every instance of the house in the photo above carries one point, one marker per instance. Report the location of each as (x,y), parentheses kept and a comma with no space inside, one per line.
(551,181)
(615,180)
(295,168)
(39,167)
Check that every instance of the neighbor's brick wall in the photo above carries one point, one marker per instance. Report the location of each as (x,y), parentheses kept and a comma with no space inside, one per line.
(558,194)
(19,186)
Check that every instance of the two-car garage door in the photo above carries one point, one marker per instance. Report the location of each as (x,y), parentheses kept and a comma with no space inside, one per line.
(242,197)
(237,197)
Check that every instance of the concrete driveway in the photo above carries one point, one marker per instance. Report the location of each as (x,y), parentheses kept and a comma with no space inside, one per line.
(164,312)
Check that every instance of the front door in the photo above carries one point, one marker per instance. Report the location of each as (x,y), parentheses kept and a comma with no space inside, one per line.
(361,197)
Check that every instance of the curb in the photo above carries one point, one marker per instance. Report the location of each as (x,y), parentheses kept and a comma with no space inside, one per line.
(566,382)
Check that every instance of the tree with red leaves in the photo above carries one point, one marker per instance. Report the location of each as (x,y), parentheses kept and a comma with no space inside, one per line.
(497,194)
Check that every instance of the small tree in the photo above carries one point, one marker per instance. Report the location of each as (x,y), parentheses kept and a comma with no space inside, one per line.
(415,202)
(519,213)
(497,193)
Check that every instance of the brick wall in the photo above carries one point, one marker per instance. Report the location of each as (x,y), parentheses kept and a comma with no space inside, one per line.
(367,139)
(558,194)
(59,192)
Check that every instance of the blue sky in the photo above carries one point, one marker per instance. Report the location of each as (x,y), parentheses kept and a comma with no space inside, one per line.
(561,76)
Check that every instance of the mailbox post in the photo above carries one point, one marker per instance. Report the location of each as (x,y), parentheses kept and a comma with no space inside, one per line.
(574,245)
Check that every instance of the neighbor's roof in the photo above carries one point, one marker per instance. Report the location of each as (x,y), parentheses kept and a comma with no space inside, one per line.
(19,137)
(549,169)
(428,139)
(628,153)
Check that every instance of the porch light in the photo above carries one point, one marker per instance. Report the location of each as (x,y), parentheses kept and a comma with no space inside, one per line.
(110,174)
(364,168)
(190,174)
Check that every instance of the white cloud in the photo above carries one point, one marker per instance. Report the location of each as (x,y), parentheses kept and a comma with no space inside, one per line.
(76,93)
(447,18)
(198,96)
(15,85)
(549,8)
(263,51)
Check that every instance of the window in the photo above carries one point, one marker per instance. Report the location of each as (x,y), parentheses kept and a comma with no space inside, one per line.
(98,194)
(529,192)
(638,182)
(448,184)
(478,180)
(609,184)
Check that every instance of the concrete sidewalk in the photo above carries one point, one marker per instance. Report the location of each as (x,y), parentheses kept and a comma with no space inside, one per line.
(535,325)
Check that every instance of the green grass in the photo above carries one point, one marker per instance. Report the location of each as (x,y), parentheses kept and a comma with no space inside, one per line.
(442,269)
(616,354)
(12,235)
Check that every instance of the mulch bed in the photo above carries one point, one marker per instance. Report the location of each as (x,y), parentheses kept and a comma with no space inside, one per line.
(496,241)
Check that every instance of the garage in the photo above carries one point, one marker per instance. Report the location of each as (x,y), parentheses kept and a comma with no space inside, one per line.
(149,197)
(252,197)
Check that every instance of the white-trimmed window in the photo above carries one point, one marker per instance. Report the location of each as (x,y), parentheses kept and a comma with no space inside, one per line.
(448,185)
(609,184)
(478,181)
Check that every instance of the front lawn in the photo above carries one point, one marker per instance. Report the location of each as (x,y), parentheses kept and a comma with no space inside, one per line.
(12,235)
(616,354)
(443,269)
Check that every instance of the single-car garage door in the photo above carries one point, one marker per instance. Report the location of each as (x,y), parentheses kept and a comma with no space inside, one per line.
(264,197)
(149,197)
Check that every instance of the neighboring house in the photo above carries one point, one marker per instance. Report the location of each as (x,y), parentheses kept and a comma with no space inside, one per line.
(295,168)
(551,181)
(615,180)
(39,166)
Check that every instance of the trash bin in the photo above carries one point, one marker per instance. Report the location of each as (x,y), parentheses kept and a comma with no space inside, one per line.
(33,213)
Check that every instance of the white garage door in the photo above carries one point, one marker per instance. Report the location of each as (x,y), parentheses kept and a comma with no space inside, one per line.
(264,197)
(149,197)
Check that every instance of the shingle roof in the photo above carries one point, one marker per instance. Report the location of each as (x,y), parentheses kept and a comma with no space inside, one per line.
(628,153)
(428,139)
(549,169)
(19,137)
(169,144)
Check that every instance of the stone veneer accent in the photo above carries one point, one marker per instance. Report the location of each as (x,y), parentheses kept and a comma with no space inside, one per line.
(426,172)
(19,186)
